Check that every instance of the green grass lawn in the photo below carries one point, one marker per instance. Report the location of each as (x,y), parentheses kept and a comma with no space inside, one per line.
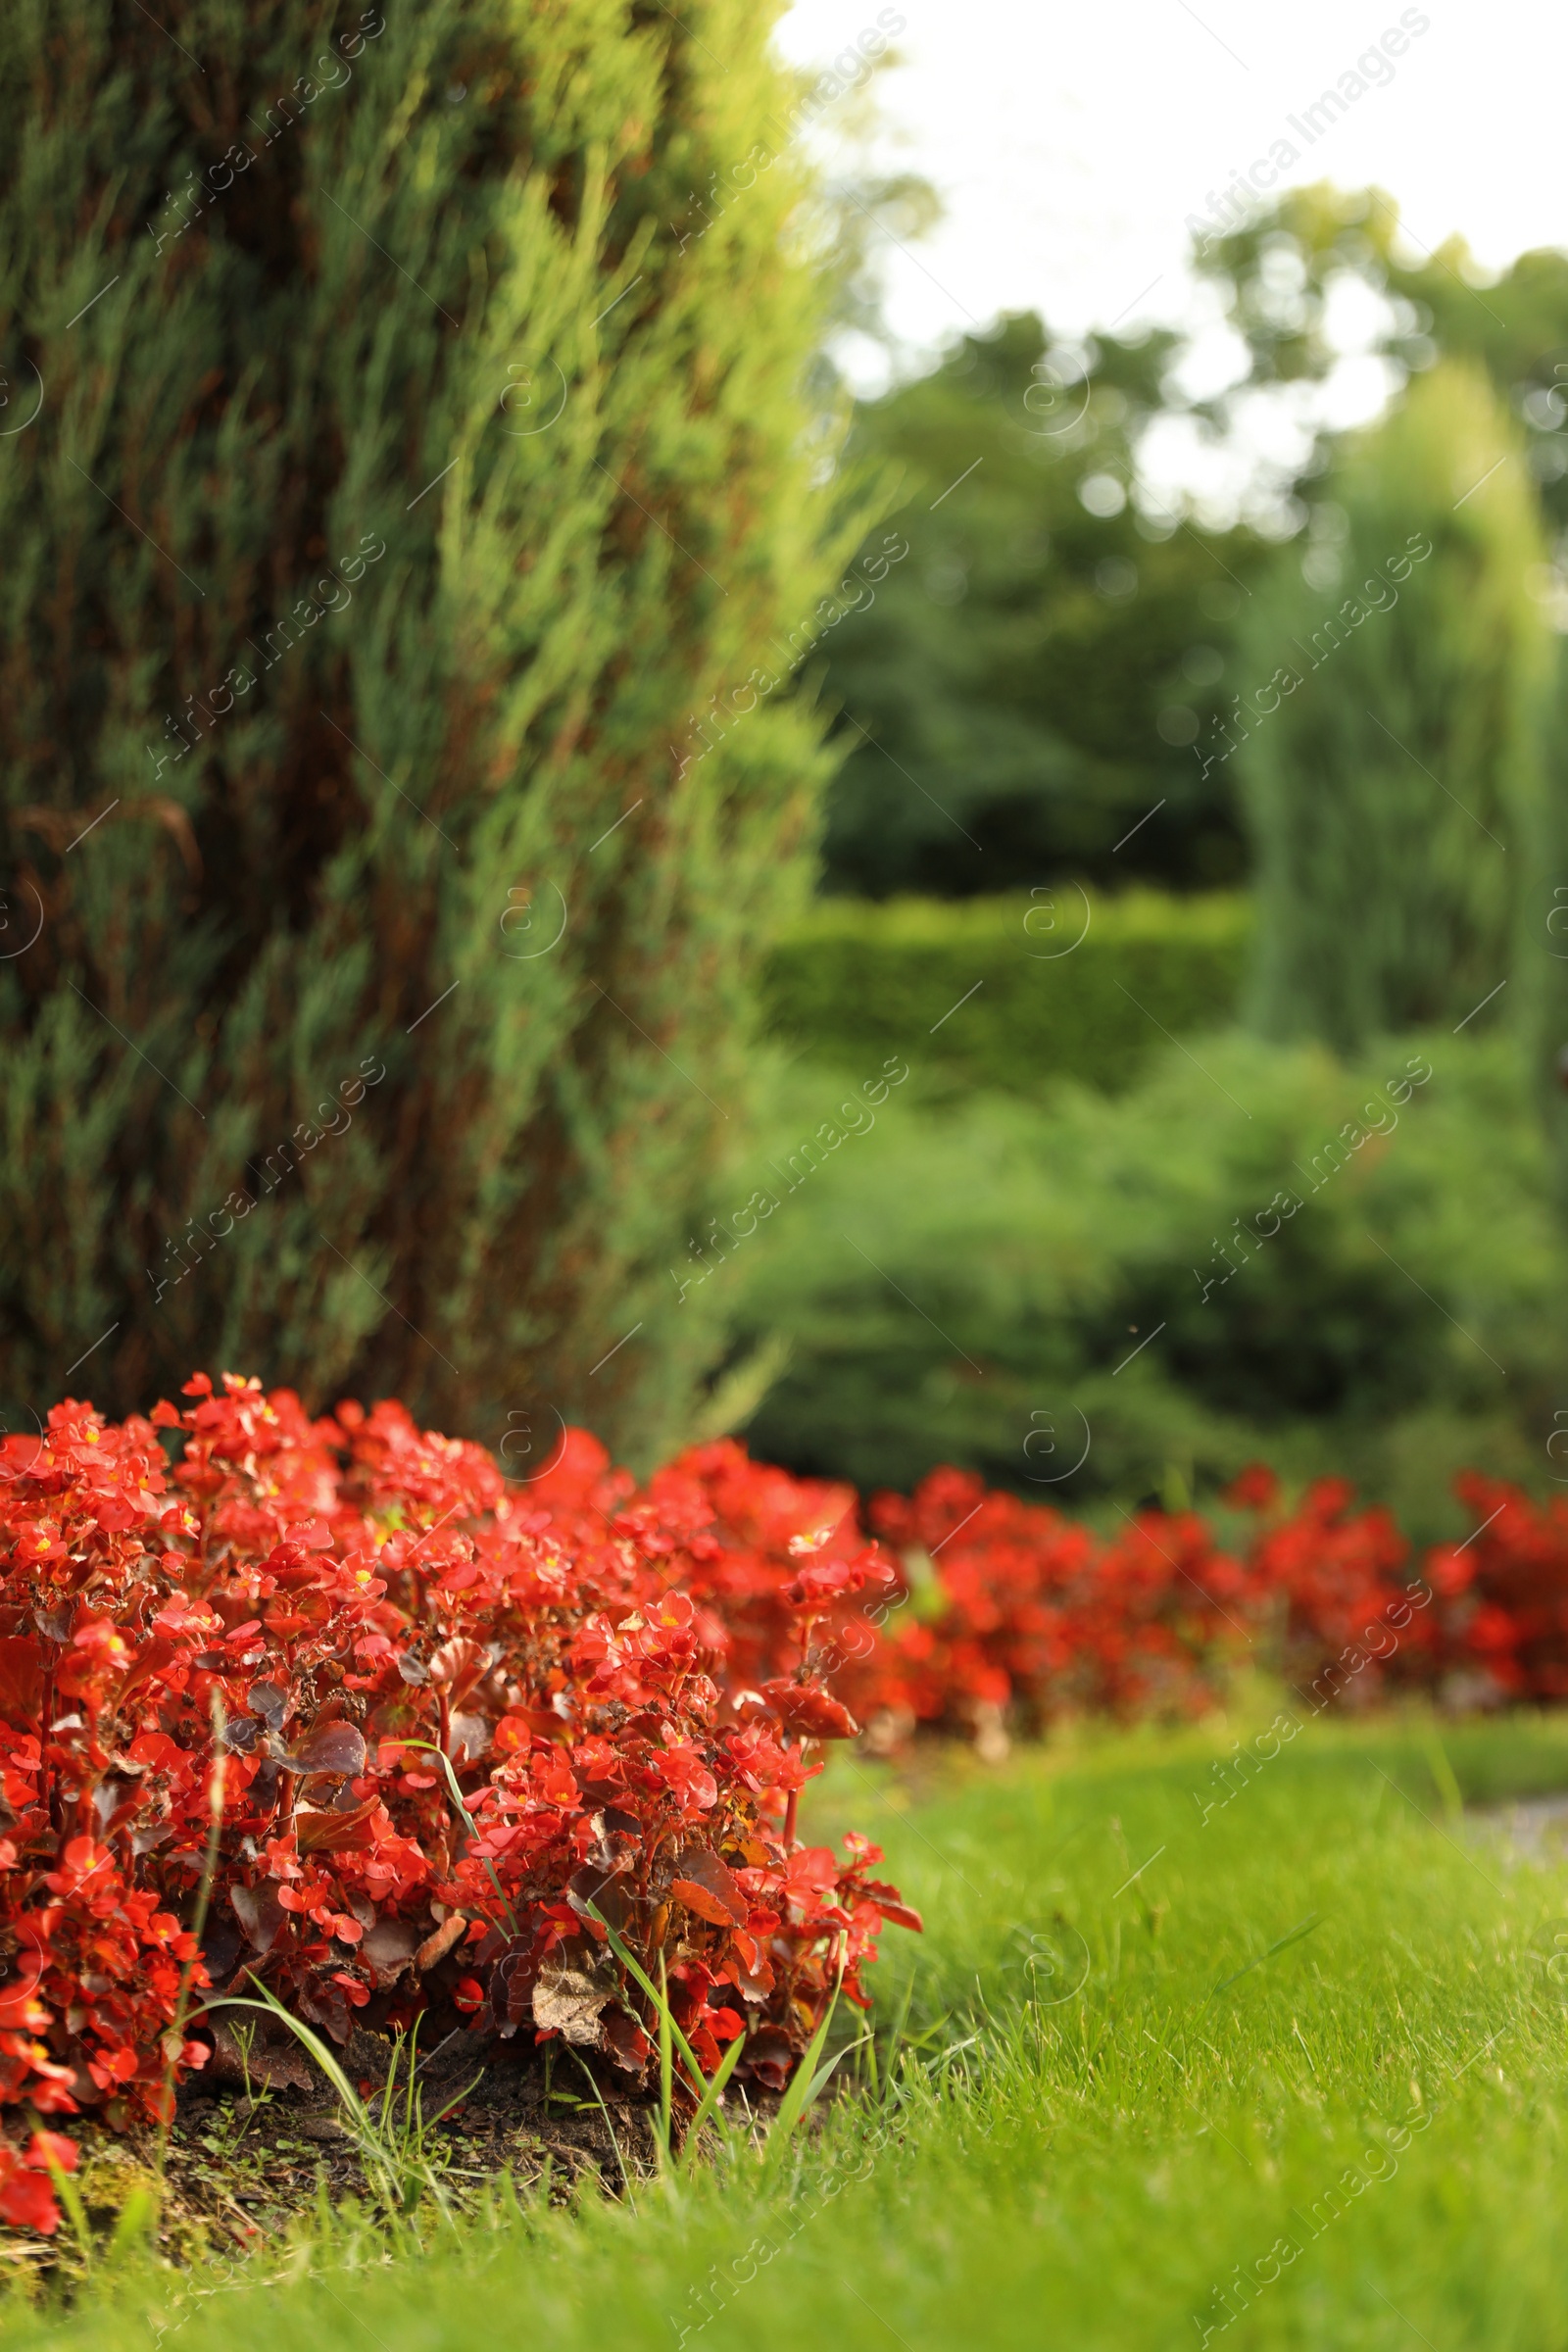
(1305,2054)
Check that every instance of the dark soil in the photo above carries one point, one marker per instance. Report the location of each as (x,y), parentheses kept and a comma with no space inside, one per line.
(256,2144)
(247,2155)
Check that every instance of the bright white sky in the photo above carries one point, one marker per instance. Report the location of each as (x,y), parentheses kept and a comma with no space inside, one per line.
(1069,143)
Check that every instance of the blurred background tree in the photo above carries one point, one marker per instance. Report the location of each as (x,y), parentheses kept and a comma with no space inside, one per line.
(1389,740)
(1058,1227)
(1282,277)
(1281,280)
(1027,687)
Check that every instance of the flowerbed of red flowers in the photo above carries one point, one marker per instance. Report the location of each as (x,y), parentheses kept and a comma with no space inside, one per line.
(422,1731)
(247,1666)
(1005,1605)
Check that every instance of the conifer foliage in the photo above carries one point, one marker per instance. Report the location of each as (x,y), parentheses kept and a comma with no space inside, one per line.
(405,434)
(1388,736)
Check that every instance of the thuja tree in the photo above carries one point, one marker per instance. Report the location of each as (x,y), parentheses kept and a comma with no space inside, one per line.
(1388,734)
(1542,971)
(406,435)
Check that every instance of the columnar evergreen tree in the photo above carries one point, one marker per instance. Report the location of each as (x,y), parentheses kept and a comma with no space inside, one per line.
(420,440)
(1542,967)
(1387,741)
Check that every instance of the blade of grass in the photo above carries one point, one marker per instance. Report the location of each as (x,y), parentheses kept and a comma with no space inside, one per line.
(626,2169)
(820,2081)
(396,2162)
(806,2081)
(633,1967)
(134,2227)
(324,2057)
(389,2089)
(1443,1773)
(172,2039)
(468,1821)
(707,2093)
(372,2145)
(666,2066)
(449,2105)
(896,2045)
(1293,1935)
(70,2196)
(708,2105)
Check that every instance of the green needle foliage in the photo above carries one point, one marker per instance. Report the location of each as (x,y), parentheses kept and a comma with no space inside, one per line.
(1392,789)
(1543,972)
(964,1280)
(426,435)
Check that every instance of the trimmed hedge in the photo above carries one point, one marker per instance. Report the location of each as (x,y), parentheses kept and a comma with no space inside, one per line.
(1009,991)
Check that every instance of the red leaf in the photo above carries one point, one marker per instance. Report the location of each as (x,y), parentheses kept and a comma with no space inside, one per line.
(20,1680)
(334,1833)
(338,1748)
(457,1666)
(28,2201)
(705,1875)
(149,1660)
(53,2147)
(21,2011)
(706,1906)
(806,1709)
(440,1942)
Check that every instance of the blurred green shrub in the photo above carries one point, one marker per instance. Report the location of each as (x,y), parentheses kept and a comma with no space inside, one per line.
(1008,991)
(1000,1283)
